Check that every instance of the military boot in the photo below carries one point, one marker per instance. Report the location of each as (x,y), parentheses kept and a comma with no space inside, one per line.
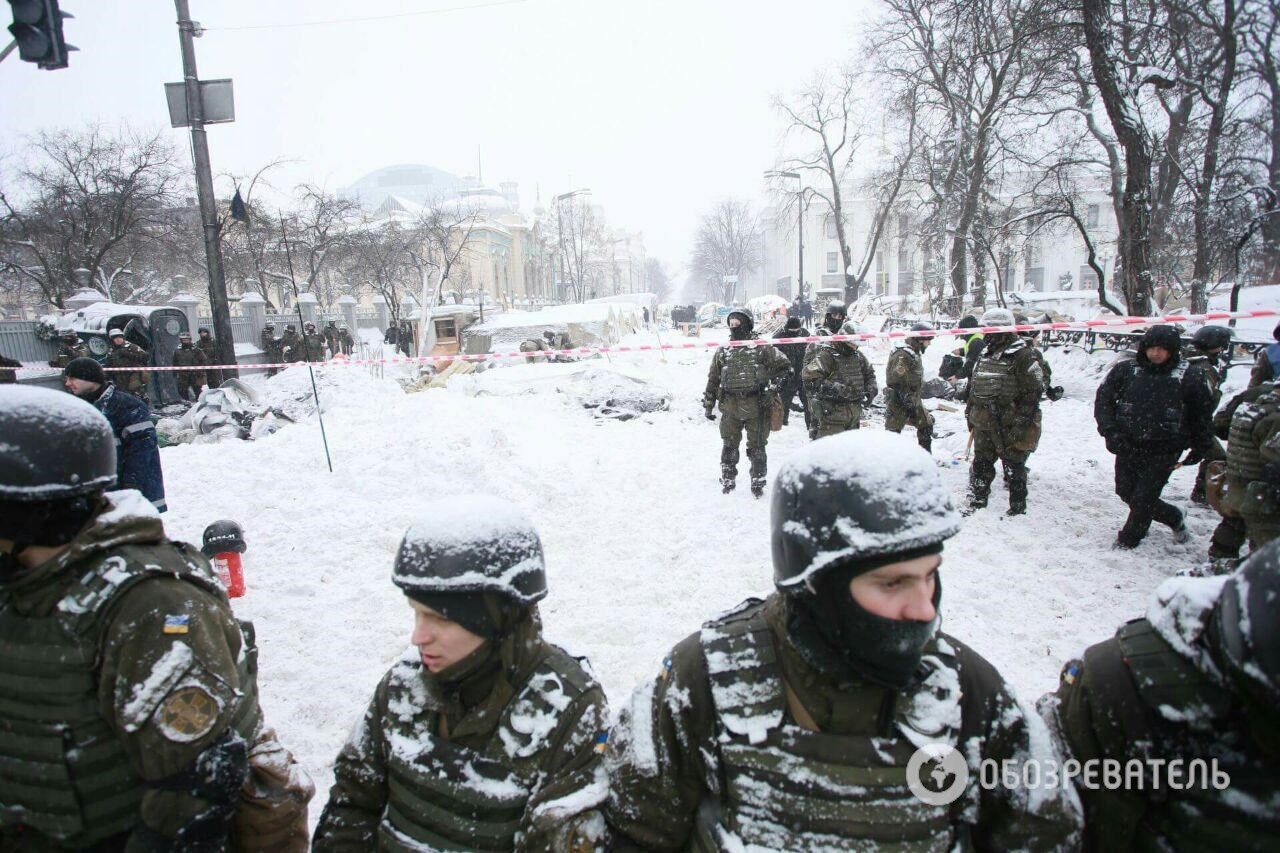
(759,469)
(757,487)
(1017,479)
(728,478)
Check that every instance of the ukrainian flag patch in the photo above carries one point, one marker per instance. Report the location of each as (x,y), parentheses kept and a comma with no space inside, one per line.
(1071,673)
(177,624)
(601,740)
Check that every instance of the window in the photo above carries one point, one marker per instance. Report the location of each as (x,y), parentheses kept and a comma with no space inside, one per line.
(446,329)
(831,229)
(1035,278)
(833,262)
(1088,279)
(1091,216)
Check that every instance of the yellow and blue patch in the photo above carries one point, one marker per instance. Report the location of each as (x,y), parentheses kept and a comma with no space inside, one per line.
(177,623)
(1071,673)
(602,739)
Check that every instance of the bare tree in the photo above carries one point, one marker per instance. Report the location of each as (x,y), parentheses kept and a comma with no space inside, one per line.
(317,229)
(727,246)
(442,237)
(89,199)
(657,278)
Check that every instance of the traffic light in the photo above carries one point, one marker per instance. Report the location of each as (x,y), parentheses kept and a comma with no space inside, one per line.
(37,28)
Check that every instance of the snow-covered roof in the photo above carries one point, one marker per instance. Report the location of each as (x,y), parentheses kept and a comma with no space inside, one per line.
(95,317)
(555,315)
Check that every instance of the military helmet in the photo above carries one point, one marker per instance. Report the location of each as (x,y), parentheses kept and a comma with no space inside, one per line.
(68,334)
(223,536)
(270,326)
(854,496)
(184,336)
(997,317)
(203,330)
(309,325)
(851,327)
(290,327)
(968,321)
(472,544)
(333,322)
(56,446)
(835,308)
(922,327)
(748,322)
(1212,337)
(116,333)
(342,327)
(1247,622)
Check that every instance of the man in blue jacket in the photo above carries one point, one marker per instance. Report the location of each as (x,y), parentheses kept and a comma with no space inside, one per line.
(137,450)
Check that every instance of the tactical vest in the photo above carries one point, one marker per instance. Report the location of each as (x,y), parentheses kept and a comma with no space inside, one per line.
(1150,406)
(1172,689)
(63,771)
(741,371)
(449,797)
(849,372)
(1244,457)
(911,380)
(993,379)
(788,788)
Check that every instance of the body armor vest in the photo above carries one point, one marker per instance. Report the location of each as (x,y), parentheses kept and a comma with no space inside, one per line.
(63,770)
(789,788)
(1150,405)
(993,379)
(742,371)
(450,797)
(1244,457)
(849,373)
(910,381)
(1173,690)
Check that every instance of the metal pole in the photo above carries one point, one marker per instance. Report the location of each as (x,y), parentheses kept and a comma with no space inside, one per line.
(204,191)
(315,395)
(8,50)
(560,236)
(800,231)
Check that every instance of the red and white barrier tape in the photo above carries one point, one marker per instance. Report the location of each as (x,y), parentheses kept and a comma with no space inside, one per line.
(1082,325)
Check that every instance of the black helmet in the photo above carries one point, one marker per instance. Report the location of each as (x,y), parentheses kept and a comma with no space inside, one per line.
(472,544)
(1247,623)
(747,322)
(1212,337)
(835,308)
(56,446)
(203,330)
(968,321)
(223,536)
(922,327)
(853,496)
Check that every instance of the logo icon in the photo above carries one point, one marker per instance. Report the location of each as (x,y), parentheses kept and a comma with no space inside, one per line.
(937,774)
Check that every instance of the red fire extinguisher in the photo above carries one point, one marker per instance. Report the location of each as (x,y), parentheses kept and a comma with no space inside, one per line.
(223,545)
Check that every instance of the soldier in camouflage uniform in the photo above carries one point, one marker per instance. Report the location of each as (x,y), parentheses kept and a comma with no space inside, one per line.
(744,381)
(142,730)
(1208,345)
(189,381)
(345,340)
(904,376)
(312,344)
(332,339)
(1253,468)
(1197,679)
(291,344)
(270,346)
(789,723)
(208,345)
(70,347)
(482,735)
(128,354)
(1003,412)
(839,381)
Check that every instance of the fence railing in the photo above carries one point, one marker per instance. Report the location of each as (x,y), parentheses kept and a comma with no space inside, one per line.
(18,340)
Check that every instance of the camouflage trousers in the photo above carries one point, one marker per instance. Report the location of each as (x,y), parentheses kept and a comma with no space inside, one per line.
(832,417)
(897,416)
(748,414)
(189,383)
(987,448)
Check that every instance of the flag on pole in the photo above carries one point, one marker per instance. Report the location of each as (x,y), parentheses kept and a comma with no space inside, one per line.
(237,207)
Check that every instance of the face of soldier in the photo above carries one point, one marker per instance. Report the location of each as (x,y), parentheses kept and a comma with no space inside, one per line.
(440,642)
(1157,355)
(900,591)
(117,341)
(735,322)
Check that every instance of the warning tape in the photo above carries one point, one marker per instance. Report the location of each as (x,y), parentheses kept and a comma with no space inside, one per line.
(1082,325)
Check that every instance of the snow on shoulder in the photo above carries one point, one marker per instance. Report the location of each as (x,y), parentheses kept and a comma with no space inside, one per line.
(470,543)
(912,507)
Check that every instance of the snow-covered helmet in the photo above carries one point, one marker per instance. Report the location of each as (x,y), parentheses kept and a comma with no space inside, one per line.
(116,333)
(1211,337)
(34,468)
(854,496)
(1247,624)
(270,326)
(742,314)
(997,317)
(851,327)
(920,342)
(472,544)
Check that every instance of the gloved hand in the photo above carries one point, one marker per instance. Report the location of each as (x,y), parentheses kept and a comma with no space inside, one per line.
(1118,444)
(832,390)
(1055,392)
(870,398)
(710,413)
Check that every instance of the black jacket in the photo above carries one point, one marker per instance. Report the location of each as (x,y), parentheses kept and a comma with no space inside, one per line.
(1145,409)
(793,352)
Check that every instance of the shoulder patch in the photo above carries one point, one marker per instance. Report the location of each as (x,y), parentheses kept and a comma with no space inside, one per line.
(1072,671)
(177,623)
(187,714)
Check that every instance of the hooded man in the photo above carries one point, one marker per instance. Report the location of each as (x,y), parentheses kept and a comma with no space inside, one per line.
(482,735)
(137,448)
(744,381)
(839,381)
(793,328)
(1003,411)
(1197,681)
(1150,409)
(129,715)
(791,723)
(904,378)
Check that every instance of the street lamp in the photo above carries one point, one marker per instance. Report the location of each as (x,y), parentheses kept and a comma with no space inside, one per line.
(800,204)
(560,226)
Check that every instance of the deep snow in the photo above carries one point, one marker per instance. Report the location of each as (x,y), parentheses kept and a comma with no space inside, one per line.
(641,546)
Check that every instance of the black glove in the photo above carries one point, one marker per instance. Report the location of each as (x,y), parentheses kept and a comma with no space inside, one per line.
(711,414)
(1118,444)
(832,390)
(1055,392)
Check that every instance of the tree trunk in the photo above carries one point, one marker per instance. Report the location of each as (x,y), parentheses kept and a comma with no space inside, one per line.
(1135,207)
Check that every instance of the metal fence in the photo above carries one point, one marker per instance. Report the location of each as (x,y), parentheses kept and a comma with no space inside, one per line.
(18,340)
(242,330)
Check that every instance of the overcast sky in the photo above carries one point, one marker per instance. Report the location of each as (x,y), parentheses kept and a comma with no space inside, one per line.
(661,107)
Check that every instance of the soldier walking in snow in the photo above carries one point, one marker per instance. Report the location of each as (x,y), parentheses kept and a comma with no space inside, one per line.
(1150,409)
(789,723)
(129,715)
(1209,343)
(904,377)
(1003,412)
(483,734)
(189,381)
(744,381)
(345,340)
(332,338)
(839,380)
(1198,679)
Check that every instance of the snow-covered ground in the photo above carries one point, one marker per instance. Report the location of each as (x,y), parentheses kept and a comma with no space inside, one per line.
(641,545)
